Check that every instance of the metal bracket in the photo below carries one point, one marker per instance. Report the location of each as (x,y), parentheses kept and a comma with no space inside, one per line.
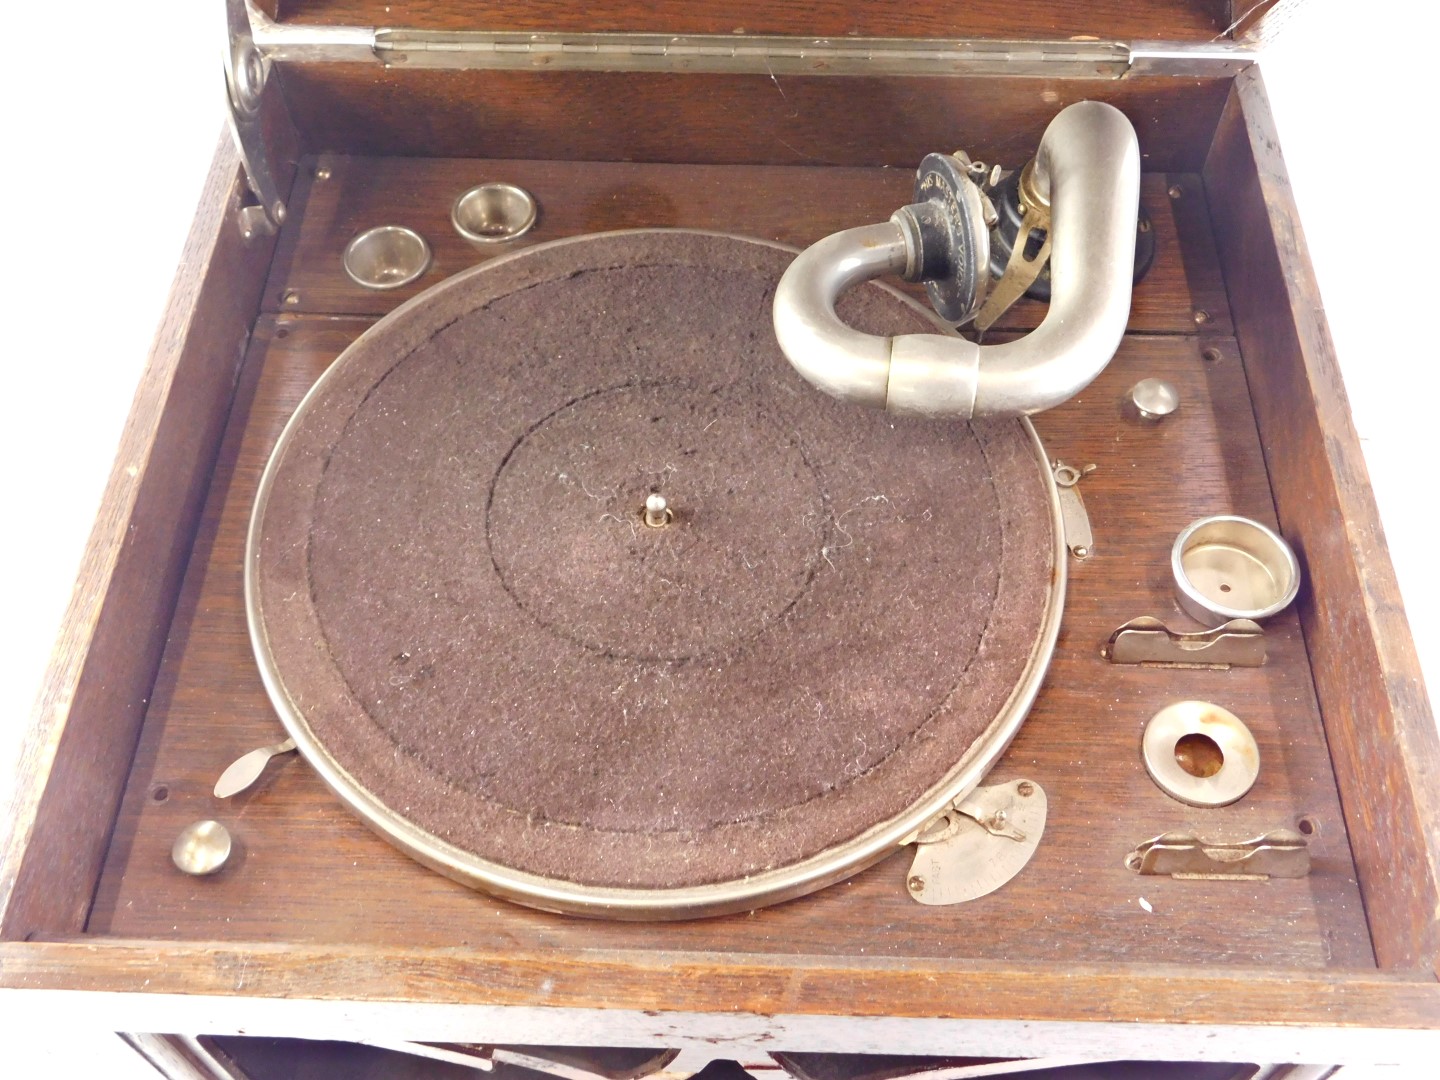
(1281,853)
(246,73)
(1073,517)
(977,845)
(1146,640)
(1022,268)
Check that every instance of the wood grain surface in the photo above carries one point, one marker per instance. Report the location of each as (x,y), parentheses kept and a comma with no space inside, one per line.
(800,206)
(1376,714)
(763,992)
(1197,20)
(91,705)
(307,872)
(726,119)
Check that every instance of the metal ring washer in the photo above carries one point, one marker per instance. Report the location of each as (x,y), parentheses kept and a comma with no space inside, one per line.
(1067,475)
(1240,756)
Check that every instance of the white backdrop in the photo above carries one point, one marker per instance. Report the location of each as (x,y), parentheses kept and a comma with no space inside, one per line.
(111,121)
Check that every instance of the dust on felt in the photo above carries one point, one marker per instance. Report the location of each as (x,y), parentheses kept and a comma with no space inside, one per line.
(895,517)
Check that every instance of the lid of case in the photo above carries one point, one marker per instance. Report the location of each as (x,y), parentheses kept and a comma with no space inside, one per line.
(1193,22)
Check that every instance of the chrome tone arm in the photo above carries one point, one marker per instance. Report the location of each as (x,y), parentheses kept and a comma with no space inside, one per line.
(843,362)
(1088,165)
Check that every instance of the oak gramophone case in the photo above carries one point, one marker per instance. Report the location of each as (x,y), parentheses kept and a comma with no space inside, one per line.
(786,659)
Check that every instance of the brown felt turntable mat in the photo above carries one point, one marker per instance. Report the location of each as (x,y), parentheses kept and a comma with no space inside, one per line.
(460,600)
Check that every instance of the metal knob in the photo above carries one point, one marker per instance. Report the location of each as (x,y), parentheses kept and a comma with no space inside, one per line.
(1154,398)
(201,848)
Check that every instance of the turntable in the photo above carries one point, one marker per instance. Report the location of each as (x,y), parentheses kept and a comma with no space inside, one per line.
(824,614)
(764,666)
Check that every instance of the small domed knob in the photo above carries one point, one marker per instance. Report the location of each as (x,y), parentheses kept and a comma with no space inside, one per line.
(1154,398)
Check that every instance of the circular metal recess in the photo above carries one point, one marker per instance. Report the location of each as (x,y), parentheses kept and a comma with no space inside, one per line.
(1229,567)
(484,646)
(1201,754)
(493,213)
(386,257)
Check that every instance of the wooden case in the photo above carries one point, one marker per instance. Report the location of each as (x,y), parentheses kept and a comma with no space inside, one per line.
(319,929)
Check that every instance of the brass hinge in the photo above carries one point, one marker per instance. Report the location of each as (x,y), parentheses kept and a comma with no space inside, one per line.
(257,128)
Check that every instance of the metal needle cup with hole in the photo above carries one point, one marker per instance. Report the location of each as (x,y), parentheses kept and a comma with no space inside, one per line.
(1229,567)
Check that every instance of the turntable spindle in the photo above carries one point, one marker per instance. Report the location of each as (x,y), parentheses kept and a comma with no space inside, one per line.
(657,512)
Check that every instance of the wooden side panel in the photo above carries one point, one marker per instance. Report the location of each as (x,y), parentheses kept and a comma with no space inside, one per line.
(88,715)
(667,997)
(1109,19)
(1382,734)
(726,119)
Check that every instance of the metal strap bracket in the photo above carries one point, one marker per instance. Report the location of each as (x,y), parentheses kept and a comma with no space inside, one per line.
(1079,537)
(1147,640)
(1281,853)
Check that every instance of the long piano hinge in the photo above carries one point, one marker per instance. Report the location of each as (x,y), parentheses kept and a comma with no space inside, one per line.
(257,42)
(736,54)
(727,54)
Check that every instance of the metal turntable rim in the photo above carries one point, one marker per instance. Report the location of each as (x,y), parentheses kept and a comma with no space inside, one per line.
(554,894)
